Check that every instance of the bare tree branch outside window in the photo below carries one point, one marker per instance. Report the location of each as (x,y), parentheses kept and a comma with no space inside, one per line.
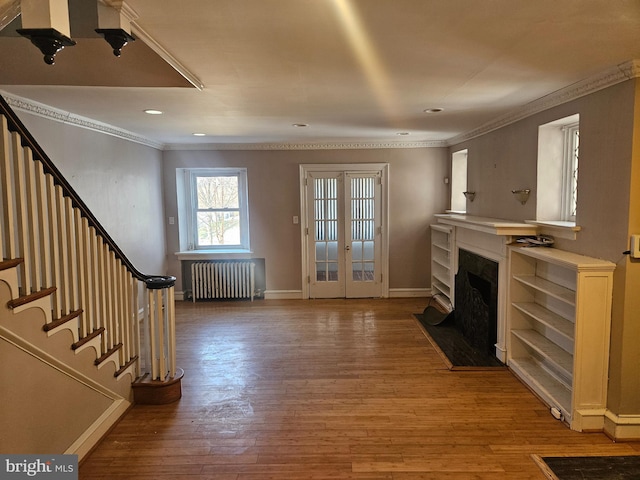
(218,210)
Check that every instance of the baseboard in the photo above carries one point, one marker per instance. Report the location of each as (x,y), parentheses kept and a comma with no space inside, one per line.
(283,294)
(409,292)
(179,296)
(393,293)
(622,427)
(99,429)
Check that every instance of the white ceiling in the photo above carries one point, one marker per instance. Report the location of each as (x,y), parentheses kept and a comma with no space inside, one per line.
(352,70)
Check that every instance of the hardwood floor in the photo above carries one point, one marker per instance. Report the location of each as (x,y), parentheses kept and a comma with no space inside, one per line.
(332,389)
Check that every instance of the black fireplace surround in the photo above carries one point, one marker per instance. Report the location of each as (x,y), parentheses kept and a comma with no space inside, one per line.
(476,296)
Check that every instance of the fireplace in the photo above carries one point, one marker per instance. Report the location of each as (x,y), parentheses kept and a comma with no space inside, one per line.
(476,293)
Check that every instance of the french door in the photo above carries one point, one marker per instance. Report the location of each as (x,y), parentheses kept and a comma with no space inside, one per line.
(343,233)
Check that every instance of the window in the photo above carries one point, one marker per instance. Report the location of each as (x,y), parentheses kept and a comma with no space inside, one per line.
(570,162)
(217,215)
(558,151)
(459,181)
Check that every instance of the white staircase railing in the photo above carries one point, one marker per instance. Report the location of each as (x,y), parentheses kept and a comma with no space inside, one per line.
(66,253)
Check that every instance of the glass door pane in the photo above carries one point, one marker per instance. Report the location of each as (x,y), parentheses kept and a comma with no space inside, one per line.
(326,229)
(363,229)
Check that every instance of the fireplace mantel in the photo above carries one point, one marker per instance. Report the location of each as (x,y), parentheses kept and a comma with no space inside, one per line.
(494,226)
(488,237)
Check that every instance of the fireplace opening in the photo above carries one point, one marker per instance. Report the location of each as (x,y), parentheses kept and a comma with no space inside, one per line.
(476,298)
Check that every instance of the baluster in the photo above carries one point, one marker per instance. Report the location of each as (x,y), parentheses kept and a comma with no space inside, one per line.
(6,178)
(125,327)
(88,268)
(106,322)
(171,319)
(137,325)
(43,221)
(102,290)
(56,270)
(63,241)
(94,285)
(21,213)
(81,258)
(72,255)
(34,227)
(152,334)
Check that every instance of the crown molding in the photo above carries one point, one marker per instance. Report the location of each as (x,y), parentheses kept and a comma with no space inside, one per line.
(620,73)
(306,146)
(41,110)
(9,12)
(612,76)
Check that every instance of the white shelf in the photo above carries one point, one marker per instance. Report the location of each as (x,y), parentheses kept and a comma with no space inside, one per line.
(445,248)
(558,319)
(544,316)
(548,350)
(552,391)
(441,260)
(540,284)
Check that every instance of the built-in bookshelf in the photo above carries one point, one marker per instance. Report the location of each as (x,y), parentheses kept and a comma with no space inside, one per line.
(558,324)
(442,264)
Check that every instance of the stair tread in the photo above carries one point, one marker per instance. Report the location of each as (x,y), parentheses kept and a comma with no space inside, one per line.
(32,297)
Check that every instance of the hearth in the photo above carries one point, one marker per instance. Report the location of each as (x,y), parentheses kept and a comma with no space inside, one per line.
(476,293)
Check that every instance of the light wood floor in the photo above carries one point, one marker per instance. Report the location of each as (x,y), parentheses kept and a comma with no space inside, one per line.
(338,389)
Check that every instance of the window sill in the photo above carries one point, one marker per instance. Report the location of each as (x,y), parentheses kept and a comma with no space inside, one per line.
(557,228)
(231,253)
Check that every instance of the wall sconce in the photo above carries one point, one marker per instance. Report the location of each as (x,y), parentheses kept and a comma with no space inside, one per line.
(469,195)
(521,195)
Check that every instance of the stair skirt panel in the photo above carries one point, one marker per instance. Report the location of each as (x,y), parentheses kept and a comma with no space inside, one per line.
(52,408)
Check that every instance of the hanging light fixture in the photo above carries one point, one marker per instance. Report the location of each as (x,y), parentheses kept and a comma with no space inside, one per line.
(46,24)
(114,24)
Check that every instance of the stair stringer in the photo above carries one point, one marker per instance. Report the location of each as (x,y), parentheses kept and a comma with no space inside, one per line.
(21,333)
(27,323)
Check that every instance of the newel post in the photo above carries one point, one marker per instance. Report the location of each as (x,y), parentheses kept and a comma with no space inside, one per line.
(160,380)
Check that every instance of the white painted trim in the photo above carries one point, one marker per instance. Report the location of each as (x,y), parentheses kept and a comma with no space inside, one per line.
(332,145)
(188,75)
(409,292)
(283,295)
(622,427)
(55,114)
(98,429)
(383,169)
(87,440)
(612,76)
(9,13)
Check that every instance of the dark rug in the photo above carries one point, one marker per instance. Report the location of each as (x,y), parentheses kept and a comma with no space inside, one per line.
(587,468)
(455,347)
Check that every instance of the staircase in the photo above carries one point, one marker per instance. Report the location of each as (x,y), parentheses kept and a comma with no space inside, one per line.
(83,334)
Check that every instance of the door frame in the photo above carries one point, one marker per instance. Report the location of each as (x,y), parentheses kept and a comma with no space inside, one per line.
(383,169)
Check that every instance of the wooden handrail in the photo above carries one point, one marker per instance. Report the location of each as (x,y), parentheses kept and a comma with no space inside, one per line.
(16,125)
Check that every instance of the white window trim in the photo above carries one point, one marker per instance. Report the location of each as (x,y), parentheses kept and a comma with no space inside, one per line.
(569,165)
(185,178)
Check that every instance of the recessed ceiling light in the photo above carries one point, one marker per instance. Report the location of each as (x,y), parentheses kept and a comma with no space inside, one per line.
(403,133)
(151,111)
(199,134)
(300,125)
(433,110)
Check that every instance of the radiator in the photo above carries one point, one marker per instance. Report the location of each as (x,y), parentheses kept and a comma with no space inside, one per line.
(222,280)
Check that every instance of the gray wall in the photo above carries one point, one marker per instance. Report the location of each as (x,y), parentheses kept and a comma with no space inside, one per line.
(120,181)
(506,159)
(417,192)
